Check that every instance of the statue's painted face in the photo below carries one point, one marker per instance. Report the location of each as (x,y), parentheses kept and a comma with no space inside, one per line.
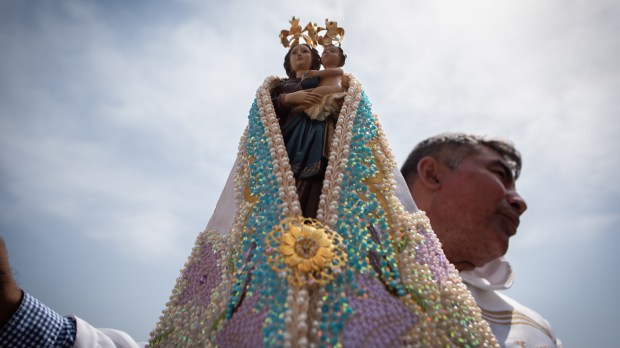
(331,57)
(300,58)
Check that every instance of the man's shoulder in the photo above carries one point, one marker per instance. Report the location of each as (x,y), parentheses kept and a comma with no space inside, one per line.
(501,308)
(512,323)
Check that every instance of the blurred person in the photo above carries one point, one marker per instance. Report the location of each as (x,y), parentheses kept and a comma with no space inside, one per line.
(466,185)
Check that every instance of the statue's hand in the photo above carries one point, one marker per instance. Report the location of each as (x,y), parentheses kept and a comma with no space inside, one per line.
(10,293)
(310,73)
(312,98)
(303,98)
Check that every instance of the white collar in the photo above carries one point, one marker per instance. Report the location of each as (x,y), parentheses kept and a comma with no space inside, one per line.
(495,275)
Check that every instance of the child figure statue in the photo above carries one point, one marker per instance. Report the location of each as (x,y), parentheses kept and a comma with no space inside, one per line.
(329,84)
(319,250)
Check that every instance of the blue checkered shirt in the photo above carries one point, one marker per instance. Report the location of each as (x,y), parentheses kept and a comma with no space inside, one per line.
(36,325)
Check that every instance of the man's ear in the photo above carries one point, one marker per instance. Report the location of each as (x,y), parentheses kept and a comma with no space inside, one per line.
(430,172)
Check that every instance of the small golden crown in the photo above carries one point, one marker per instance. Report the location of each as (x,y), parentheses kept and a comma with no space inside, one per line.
(310,34)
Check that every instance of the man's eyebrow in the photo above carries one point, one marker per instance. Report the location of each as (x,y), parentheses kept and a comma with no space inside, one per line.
(505,168)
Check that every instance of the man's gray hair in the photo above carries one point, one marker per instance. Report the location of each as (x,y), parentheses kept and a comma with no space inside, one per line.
(452,148)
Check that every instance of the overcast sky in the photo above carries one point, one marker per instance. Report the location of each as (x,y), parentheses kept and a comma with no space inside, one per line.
(119,123)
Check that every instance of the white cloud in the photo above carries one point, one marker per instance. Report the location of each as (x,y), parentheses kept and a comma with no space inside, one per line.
(179,96)
(125,128)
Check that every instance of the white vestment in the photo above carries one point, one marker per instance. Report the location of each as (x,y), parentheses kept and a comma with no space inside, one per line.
(90,337)
(513,324)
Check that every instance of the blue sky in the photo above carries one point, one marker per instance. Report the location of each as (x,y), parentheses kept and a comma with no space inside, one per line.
(119,122)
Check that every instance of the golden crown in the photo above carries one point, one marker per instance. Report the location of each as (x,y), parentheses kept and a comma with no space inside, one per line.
(310,34)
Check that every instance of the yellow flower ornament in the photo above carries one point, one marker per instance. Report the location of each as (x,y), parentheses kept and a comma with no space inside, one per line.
(307,252)
(306,248)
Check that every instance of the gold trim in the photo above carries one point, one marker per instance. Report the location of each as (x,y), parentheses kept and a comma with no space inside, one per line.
(247,194)
(376,182)
(513,318)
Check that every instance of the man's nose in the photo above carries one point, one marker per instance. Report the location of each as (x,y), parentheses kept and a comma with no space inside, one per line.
(517,202)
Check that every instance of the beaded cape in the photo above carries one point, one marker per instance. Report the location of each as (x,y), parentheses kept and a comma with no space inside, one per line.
(374,274)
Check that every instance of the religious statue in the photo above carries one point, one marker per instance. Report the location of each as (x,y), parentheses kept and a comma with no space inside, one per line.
(315,240)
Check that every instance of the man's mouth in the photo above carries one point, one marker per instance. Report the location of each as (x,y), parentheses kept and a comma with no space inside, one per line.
(513,220)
